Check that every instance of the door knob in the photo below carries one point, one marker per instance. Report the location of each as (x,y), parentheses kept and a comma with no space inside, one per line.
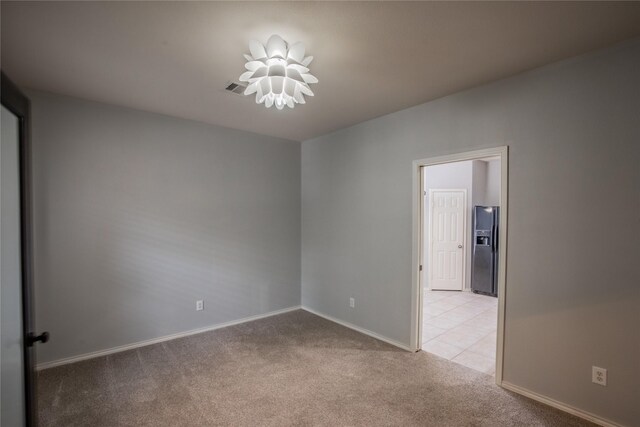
(32,338)
(459,246)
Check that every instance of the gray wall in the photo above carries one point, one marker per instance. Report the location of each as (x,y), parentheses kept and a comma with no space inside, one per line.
(486,182)
(139,215)
(458,175)
(574,181)
(479,168)
(492,197)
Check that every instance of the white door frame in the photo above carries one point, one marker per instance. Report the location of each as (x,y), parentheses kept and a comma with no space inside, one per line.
(417,236)
(464,234)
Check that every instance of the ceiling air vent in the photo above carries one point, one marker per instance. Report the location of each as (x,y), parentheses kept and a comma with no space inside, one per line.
(235,87)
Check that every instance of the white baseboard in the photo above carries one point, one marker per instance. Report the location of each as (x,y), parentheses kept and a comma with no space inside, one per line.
(138,344)
(359,329)
(559,405)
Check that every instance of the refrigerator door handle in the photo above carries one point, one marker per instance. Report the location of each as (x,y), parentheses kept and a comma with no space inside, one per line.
(494,238)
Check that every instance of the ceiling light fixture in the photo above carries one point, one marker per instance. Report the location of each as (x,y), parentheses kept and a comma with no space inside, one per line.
(278,74)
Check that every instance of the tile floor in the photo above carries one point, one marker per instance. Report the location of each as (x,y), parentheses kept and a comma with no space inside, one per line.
(461,327)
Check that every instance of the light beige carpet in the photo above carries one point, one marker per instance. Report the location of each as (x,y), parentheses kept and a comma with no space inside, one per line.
(291,369)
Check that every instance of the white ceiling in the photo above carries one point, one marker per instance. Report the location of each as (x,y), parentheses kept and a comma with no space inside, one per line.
(371,58)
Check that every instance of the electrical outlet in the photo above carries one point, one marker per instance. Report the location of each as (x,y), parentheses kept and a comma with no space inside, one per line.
(352,302)
(599,375)
(199,305)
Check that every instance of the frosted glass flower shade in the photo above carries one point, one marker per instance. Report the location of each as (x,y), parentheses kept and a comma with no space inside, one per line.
(278,73)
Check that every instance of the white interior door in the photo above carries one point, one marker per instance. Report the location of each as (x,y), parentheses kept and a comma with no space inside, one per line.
(447,210)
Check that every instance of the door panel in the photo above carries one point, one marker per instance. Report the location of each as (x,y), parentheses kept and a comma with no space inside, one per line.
(446,266)
(482,269)
(13,405)
(17,402)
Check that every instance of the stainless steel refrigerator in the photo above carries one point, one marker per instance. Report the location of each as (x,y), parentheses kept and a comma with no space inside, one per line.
(484,264)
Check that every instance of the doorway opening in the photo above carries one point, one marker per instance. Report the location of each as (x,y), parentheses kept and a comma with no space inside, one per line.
(460,225)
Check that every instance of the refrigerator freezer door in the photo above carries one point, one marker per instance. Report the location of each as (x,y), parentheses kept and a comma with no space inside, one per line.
(485,255)
(482,280)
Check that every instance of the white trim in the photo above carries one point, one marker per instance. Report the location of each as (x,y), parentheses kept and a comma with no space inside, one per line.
(422,268)
(464,235)
(559,405)
(418,192)
(358,329)
(112,350)
(502,260)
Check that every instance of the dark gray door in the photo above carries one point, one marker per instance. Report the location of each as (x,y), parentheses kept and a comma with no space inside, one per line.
(17,402)
(13,387)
